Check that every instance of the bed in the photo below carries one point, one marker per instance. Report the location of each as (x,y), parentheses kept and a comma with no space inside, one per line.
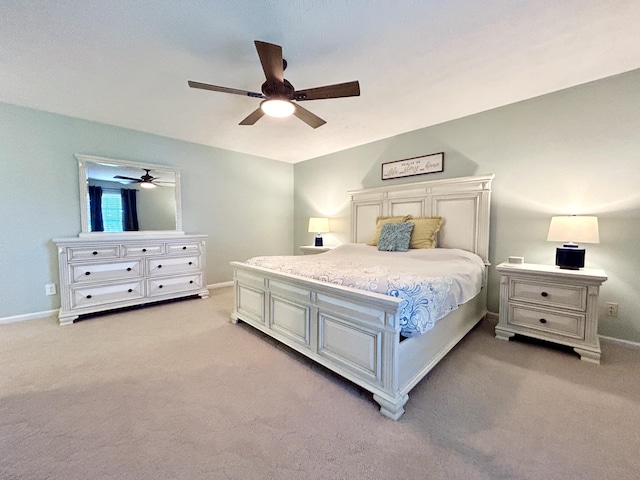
(359,333)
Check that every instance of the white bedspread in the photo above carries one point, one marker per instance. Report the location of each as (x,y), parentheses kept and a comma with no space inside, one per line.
(431,282)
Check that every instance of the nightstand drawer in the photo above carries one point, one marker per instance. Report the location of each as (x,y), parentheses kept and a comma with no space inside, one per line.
(563,296)
(546,321)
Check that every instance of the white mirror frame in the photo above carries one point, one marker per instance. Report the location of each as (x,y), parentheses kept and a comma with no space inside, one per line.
(84,214)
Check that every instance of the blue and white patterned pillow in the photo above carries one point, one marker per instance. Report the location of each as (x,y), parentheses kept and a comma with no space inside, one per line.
(395,237)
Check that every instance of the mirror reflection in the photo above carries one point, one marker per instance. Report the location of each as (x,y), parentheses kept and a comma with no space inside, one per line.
(121,196)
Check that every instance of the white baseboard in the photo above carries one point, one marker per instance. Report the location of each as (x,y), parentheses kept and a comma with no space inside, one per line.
(52,313)
(627,343)
(29,316)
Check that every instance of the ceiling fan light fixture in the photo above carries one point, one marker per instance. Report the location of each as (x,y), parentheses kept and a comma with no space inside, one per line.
(147,185)
(278,108)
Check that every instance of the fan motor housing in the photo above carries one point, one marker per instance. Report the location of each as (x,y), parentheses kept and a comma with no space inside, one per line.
(278,89)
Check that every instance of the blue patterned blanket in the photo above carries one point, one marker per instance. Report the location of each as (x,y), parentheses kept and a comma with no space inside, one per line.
(430,282)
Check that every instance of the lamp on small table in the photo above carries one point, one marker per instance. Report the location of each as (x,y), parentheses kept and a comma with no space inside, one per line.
(570,230)
(319,226)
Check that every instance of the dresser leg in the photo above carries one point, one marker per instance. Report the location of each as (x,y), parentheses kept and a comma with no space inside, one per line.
(503,334)
(67,319)
(588,355)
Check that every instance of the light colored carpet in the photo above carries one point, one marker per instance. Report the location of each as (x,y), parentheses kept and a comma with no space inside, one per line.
(178,392)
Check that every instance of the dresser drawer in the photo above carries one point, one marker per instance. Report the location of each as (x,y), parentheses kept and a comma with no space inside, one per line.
(96,272)
(98,252)
(175,248)
(142,250)
(555,295)
(171,265)
(167,285)
(94,295)
(564,324)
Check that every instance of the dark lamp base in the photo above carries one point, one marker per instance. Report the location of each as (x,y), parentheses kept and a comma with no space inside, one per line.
(318,240)
(570,258)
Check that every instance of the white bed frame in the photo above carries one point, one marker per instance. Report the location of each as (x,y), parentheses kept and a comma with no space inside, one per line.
(356,333)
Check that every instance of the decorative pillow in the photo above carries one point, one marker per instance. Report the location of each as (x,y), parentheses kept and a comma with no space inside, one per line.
(424,231)
(395,237)
(380,221)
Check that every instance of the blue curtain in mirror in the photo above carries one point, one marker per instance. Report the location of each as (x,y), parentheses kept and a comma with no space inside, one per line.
(95,208)
(129,210)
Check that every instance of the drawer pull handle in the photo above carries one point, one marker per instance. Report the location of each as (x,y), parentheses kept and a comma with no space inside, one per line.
(190,281)
(159,266)
(544,294)
(159,286)
(190,263)
(94,253)
(144,250)
(130,290)
(87,273)
(128,269)
(88,296)
(543,320)
(184,248)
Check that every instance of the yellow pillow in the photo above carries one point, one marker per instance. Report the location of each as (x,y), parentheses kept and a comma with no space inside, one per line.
(424,231)
(380,221)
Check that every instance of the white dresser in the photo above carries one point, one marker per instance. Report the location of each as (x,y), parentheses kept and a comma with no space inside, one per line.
(549,303)
(109,272)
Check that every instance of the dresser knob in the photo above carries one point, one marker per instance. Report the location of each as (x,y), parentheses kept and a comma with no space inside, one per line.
(144,250)
(129,269)
(544,294)
(87,273)
(130,290)
(159,286)
(543,320)
(190,281)
(95,253)
(184,248)
(190,263)
(88,296)
(159,266)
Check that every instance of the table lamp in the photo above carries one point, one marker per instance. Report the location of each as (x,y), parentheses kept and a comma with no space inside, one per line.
(319,226)
(570,230)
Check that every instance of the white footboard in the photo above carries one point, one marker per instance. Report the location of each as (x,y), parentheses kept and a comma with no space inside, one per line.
(352,332)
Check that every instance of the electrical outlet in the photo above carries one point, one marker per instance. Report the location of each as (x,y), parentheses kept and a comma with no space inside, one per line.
(50,288)
(612,309)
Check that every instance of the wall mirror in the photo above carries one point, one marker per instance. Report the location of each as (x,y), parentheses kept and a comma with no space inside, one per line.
(119,196)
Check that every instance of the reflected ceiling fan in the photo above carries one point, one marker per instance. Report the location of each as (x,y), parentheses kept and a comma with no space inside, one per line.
(279,95)
(146,181)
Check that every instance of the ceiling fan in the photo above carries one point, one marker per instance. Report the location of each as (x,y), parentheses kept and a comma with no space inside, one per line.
(146,181)
(279,94)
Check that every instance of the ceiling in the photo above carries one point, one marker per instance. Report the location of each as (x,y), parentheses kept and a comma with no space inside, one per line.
(419,62)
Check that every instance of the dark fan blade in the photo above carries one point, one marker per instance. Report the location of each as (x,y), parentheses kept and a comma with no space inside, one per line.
(309,118)
(348,89)
(128,178)
(215,88)
(271,60)
(253,117)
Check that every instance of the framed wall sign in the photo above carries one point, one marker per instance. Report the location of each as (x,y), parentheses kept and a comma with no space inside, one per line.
(431,163)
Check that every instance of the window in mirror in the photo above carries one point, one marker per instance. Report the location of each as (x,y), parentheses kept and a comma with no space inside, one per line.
(122,196)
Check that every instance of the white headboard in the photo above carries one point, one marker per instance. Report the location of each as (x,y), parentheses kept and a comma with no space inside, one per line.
(463,203)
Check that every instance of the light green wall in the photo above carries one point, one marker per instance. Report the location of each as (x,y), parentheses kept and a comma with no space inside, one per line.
(573,151)
(242,202)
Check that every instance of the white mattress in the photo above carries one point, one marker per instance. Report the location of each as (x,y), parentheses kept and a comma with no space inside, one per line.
(431,282)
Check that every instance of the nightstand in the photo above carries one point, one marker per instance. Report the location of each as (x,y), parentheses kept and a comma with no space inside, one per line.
(553,304)
(311,250)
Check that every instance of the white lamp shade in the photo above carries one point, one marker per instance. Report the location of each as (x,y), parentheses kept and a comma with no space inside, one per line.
(278,108)
(574,229)
(318,225)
